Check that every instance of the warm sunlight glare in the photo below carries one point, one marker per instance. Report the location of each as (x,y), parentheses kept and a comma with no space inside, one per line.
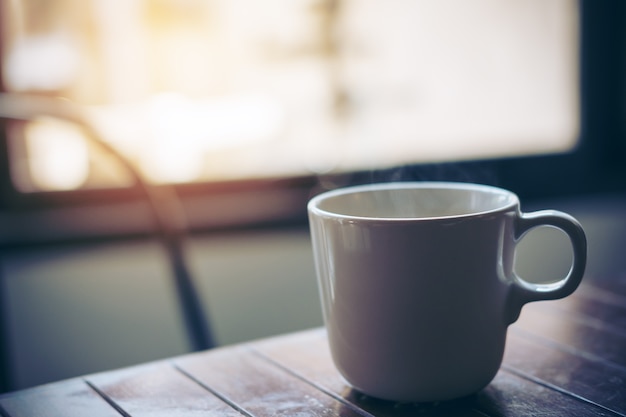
(58,153)
(56,52)
(181,138)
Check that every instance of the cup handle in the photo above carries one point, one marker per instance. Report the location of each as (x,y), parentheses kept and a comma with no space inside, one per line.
(522,292)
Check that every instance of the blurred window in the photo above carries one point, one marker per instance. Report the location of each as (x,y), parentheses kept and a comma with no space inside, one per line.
(210,90)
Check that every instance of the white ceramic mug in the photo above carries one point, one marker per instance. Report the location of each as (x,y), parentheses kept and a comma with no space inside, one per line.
(417,283)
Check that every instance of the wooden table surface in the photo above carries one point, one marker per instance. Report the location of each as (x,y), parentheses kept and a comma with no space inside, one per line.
(563,358)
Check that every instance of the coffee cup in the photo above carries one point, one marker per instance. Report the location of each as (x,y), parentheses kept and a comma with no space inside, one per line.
(417,283)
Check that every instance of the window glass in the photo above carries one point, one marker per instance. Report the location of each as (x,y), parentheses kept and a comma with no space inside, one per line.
(206,90)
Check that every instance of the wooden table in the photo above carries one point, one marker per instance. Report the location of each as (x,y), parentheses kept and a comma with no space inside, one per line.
(563,358)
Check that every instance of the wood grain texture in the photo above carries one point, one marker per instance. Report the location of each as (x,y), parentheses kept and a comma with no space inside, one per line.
(72,398)
(574,333)
(159,389)
(509,394)
(260,388)
(594,381)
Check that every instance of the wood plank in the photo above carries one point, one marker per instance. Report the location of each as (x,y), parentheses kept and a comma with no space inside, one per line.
(512,395)
(159,389)
(308,356)
(580,376)
(574,333)
(614,282)
(603,305)
(614,294)
(71,398)
(259,388)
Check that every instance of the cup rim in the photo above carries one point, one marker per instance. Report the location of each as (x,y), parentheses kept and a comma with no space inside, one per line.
(313,205)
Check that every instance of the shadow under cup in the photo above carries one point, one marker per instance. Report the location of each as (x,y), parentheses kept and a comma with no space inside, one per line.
(417,283)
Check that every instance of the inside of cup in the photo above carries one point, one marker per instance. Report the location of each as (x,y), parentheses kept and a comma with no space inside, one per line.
(417,201)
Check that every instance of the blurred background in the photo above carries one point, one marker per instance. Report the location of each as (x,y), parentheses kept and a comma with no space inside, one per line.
(207,126)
